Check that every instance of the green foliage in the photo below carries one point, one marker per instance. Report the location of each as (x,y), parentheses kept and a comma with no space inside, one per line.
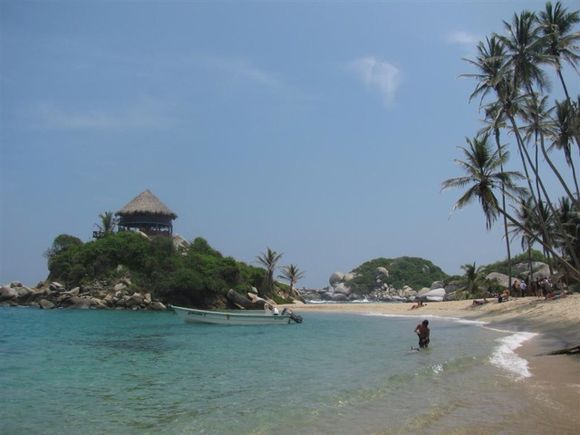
(503,266)
(411,271)
(193,277)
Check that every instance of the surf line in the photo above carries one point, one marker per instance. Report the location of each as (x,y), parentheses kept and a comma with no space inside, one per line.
(503,355)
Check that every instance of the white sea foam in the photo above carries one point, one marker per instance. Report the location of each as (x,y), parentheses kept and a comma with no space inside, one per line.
(505,357)
(432,316)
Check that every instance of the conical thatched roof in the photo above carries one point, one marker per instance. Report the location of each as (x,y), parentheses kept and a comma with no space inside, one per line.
(146,203)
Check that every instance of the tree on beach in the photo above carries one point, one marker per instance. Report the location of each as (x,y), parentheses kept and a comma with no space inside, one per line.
(473,280)
(292,274)
(481,165)
(513,88)
(269,260)
(557,25)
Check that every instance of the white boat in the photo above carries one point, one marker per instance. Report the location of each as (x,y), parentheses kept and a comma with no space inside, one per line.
(191,315)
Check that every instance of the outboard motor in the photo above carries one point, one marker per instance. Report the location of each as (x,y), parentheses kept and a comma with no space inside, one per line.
(295,317)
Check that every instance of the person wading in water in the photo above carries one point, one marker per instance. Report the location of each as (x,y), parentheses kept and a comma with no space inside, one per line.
(422,330)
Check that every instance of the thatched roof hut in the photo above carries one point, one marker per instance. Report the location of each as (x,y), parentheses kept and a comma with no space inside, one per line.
(148,214)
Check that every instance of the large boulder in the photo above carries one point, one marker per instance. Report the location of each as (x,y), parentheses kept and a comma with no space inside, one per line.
(500,278)
(339,297)
(46,304)
(7,293)
(119,287)
(383,271)
(80,302)
(135,299)
(342,288)
(157,306)
(437,284)
(335,278)
(56,286)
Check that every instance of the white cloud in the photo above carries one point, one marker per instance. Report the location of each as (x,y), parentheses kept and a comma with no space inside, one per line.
(379,75)
(463,38)
(243,69)
(144,114)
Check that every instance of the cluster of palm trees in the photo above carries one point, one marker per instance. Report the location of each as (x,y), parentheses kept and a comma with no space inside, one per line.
(291,273)
(512,85)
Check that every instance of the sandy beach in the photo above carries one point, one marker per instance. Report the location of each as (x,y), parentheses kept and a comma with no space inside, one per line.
(555,381)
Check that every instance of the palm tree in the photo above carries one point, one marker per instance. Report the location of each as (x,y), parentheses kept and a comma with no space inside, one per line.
(495,121)
(569,239)
(481,166)
(525,51)
(557,26)
(473,279)
(292,274)
(491,66)
(107,224)
(564,133)
(269,259)
(525,217)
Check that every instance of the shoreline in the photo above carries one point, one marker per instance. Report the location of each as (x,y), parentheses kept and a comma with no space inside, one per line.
(554,384)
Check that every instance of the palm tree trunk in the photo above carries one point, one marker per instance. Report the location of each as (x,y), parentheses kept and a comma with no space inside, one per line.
(559,70)
(524,153)
(575,200)
(530,263)
(505,224)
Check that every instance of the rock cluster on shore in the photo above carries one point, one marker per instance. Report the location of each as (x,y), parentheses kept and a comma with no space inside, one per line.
(117,296)
(341,289)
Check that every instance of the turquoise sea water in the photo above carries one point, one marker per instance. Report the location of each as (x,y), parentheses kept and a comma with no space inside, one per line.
(71,372)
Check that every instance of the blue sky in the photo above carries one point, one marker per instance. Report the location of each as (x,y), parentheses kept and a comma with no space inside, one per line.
(320,129)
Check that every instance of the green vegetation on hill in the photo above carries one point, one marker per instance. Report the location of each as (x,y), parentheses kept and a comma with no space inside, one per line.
(412,271)
(503,266)
(197,275)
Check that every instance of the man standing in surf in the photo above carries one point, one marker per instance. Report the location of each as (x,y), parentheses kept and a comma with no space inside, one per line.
(422,330)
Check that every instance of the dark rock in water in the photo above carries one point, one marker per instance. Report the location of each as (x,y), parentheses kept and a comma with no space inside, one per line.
(157,306)
(80,302)
(46,305)
(339,297)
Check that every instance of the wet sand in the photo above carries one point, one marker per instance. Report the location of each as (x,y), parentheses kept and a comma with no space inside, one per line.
(553,390)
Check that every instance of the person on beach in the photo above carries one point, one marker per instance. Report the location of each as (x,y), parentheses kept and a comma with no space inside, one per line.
(418,305)
(516,287)
(422,330)
(523,288)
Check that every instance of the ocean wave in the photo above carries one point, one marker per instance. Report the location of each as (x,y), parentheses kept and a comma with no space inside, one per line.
(504,355)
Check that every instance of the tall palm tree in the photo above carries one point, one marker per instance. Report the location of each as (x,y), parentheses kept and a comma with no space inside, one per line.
(525,51)
(292,274)
(484,175)
(564,134)
(526,218)
(495,121)
(269,260)
(569,239)
(541,125)
(557,26)
(481,166)
(491,66)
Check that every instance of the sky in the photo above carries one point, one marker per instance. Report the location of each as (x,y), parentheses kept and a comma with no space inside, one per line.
(320,129)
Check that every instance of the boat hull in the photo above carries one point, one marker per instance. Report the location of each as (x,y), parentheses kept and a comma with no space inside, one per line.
(190,315)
